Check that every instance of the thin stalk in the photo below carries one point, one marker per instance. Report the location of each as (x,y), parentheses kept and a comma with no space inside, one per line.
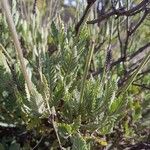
(6,53)
(52,114)
(125,87)
(87,65)
(11,25)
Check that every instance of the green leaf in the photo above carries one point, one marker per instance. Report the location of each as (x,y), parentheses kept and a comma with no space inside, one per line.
(55,32)
(35,103)
(65,130)
(108,126)
(110,91)
(117,105)
(137,110)
(79,143)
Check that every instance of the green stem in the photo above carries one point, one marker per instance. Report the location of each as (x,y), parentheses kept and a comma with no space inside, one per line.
(87,65)
(6,53)
(124,88)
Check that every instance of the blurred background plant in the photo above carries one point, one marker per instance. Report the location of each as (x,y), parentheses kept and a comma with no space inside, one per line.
(90,91)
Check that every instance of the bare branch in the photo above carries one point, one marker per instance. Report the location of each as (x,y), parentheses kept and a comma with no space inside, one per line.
(143,86)
(121,12)
(140,50)
(139,23)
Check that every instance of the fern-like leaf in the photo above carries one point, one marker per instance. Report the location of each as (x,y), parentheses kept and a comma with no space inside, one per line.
(35,104)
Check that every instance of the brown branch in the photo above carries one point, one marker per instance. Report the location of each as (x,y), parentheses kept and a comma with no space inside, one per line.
(142,86)
(121,59)
(85,14)
(121,12)
(139,23)
(140,50)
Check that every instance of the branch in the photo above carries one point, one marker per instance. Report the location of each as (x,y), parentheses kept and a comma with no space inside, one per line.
(121,59)
(139,23)
(83,18)
(12,28)
(131,79)
(145,72)
(140,50)
(121,12)
(141,85)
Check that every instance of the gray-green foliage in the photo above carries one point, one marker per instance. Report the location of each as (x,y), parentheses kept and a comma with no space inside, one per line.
(55,62)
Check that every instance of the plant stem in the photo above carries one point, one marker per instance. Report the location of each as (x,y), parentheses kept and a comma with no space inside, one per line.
(5,53)
(87,65)
(11,25)
(125,87)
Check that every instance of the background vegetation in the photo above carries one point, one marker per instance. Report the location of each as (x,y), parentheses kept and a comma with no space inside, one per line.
(62,90)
